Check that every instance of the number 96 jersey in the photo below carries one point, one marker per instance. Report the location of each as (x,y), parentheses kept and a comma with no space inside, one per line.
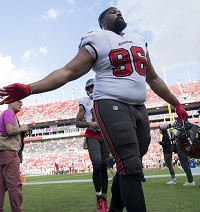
(120,65)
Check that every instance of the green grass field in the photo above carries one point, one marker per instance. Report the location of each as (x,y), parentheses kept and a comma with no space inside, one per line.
(77,197)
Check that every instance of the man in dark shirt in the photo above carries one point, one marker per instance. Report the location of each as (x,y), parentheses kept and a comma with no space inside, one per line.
(167,151)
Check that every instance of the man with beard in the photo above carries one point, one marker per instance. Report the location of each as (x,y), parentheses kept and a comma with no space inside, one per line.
(122,65)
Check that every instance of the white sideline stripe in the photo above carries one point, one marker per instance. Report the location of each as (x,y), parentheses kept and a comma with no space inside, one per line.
(62,181)
(195,171)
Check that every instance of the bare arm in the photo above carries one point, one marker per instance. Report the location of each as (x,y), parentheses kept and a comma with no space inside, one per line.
(79,66)
(158,85)
(13,130)
(83,124)
(79,118)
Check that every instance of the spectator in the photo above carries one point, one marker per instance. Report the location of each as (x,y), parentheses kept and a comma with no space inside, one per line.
(57,168)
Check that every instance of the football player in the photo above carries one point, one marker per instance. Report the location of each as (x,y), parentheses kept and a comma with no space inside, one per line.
(98,151)
(123,66)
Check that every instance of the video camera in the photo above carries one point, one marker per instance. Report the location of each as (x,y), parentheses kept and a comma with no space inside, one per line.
(30,130)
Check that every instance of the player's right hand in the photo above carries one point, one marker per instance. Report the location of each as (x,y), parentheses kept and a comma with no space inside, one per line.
(16,92)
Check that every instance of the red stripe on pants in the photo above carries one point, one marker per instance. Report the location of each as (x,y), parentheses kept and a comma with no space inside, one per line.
(120,165)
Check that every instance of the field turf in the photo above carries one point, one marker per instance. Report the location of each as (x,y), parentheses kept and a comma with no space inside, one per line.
(80,196)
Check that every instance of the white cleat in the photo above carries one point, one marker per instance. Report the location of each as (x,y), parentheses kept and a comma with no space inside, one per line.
(172,181)
(189,184)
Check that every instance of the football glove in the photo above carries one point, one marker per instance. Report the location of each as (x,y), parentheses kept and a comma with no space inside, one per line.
(16,92)
(180,111)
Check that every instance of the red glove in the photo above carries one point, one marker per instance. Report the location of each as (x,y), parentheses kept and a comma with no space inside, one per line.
(182,114)
(16,92)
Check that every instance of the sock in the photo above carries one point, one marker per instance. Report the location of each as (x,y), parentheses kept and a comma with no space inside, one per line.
(98,195)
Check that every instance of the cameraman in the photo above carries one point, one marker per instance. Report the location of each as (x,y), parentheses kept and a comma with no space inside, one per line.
(183,160)
(167,150)
(10,145)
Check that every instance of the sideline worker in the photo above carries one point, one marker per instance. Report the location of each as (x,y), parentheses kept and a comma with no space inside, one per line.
(10,145)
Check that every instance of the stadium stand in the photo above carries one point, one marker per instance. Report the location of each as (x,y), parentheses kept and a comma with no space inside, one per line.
(40,113)
(62,110)
(191,89)
(56,139)
(41,157)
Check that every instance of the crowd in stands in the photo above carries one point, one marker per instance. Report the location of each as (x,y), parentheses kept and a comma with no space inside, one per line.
(49,111)
(153,157)
(53,147)
(190,90)
(69,154)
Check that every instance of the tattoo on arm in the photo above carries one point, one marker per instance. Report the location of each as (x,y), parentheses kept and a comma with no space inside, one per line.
(80,122)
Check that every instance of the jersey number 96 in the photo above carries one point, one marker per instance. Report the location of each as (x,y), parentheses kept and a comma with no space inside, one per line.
(120,58)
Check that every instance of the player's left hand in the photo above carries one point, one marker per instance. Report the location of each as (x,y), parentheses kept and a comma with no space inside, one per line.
(94,125)
(16,92)
(182,114)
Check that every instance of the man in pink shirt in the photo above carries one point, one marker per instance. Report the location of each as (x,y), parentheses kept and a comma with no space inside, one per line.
(10,145)
(7,117)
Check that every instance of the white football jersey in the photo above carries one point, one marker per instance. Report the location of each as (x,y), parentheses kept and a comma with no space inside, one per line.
(120,65)
(87,103)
